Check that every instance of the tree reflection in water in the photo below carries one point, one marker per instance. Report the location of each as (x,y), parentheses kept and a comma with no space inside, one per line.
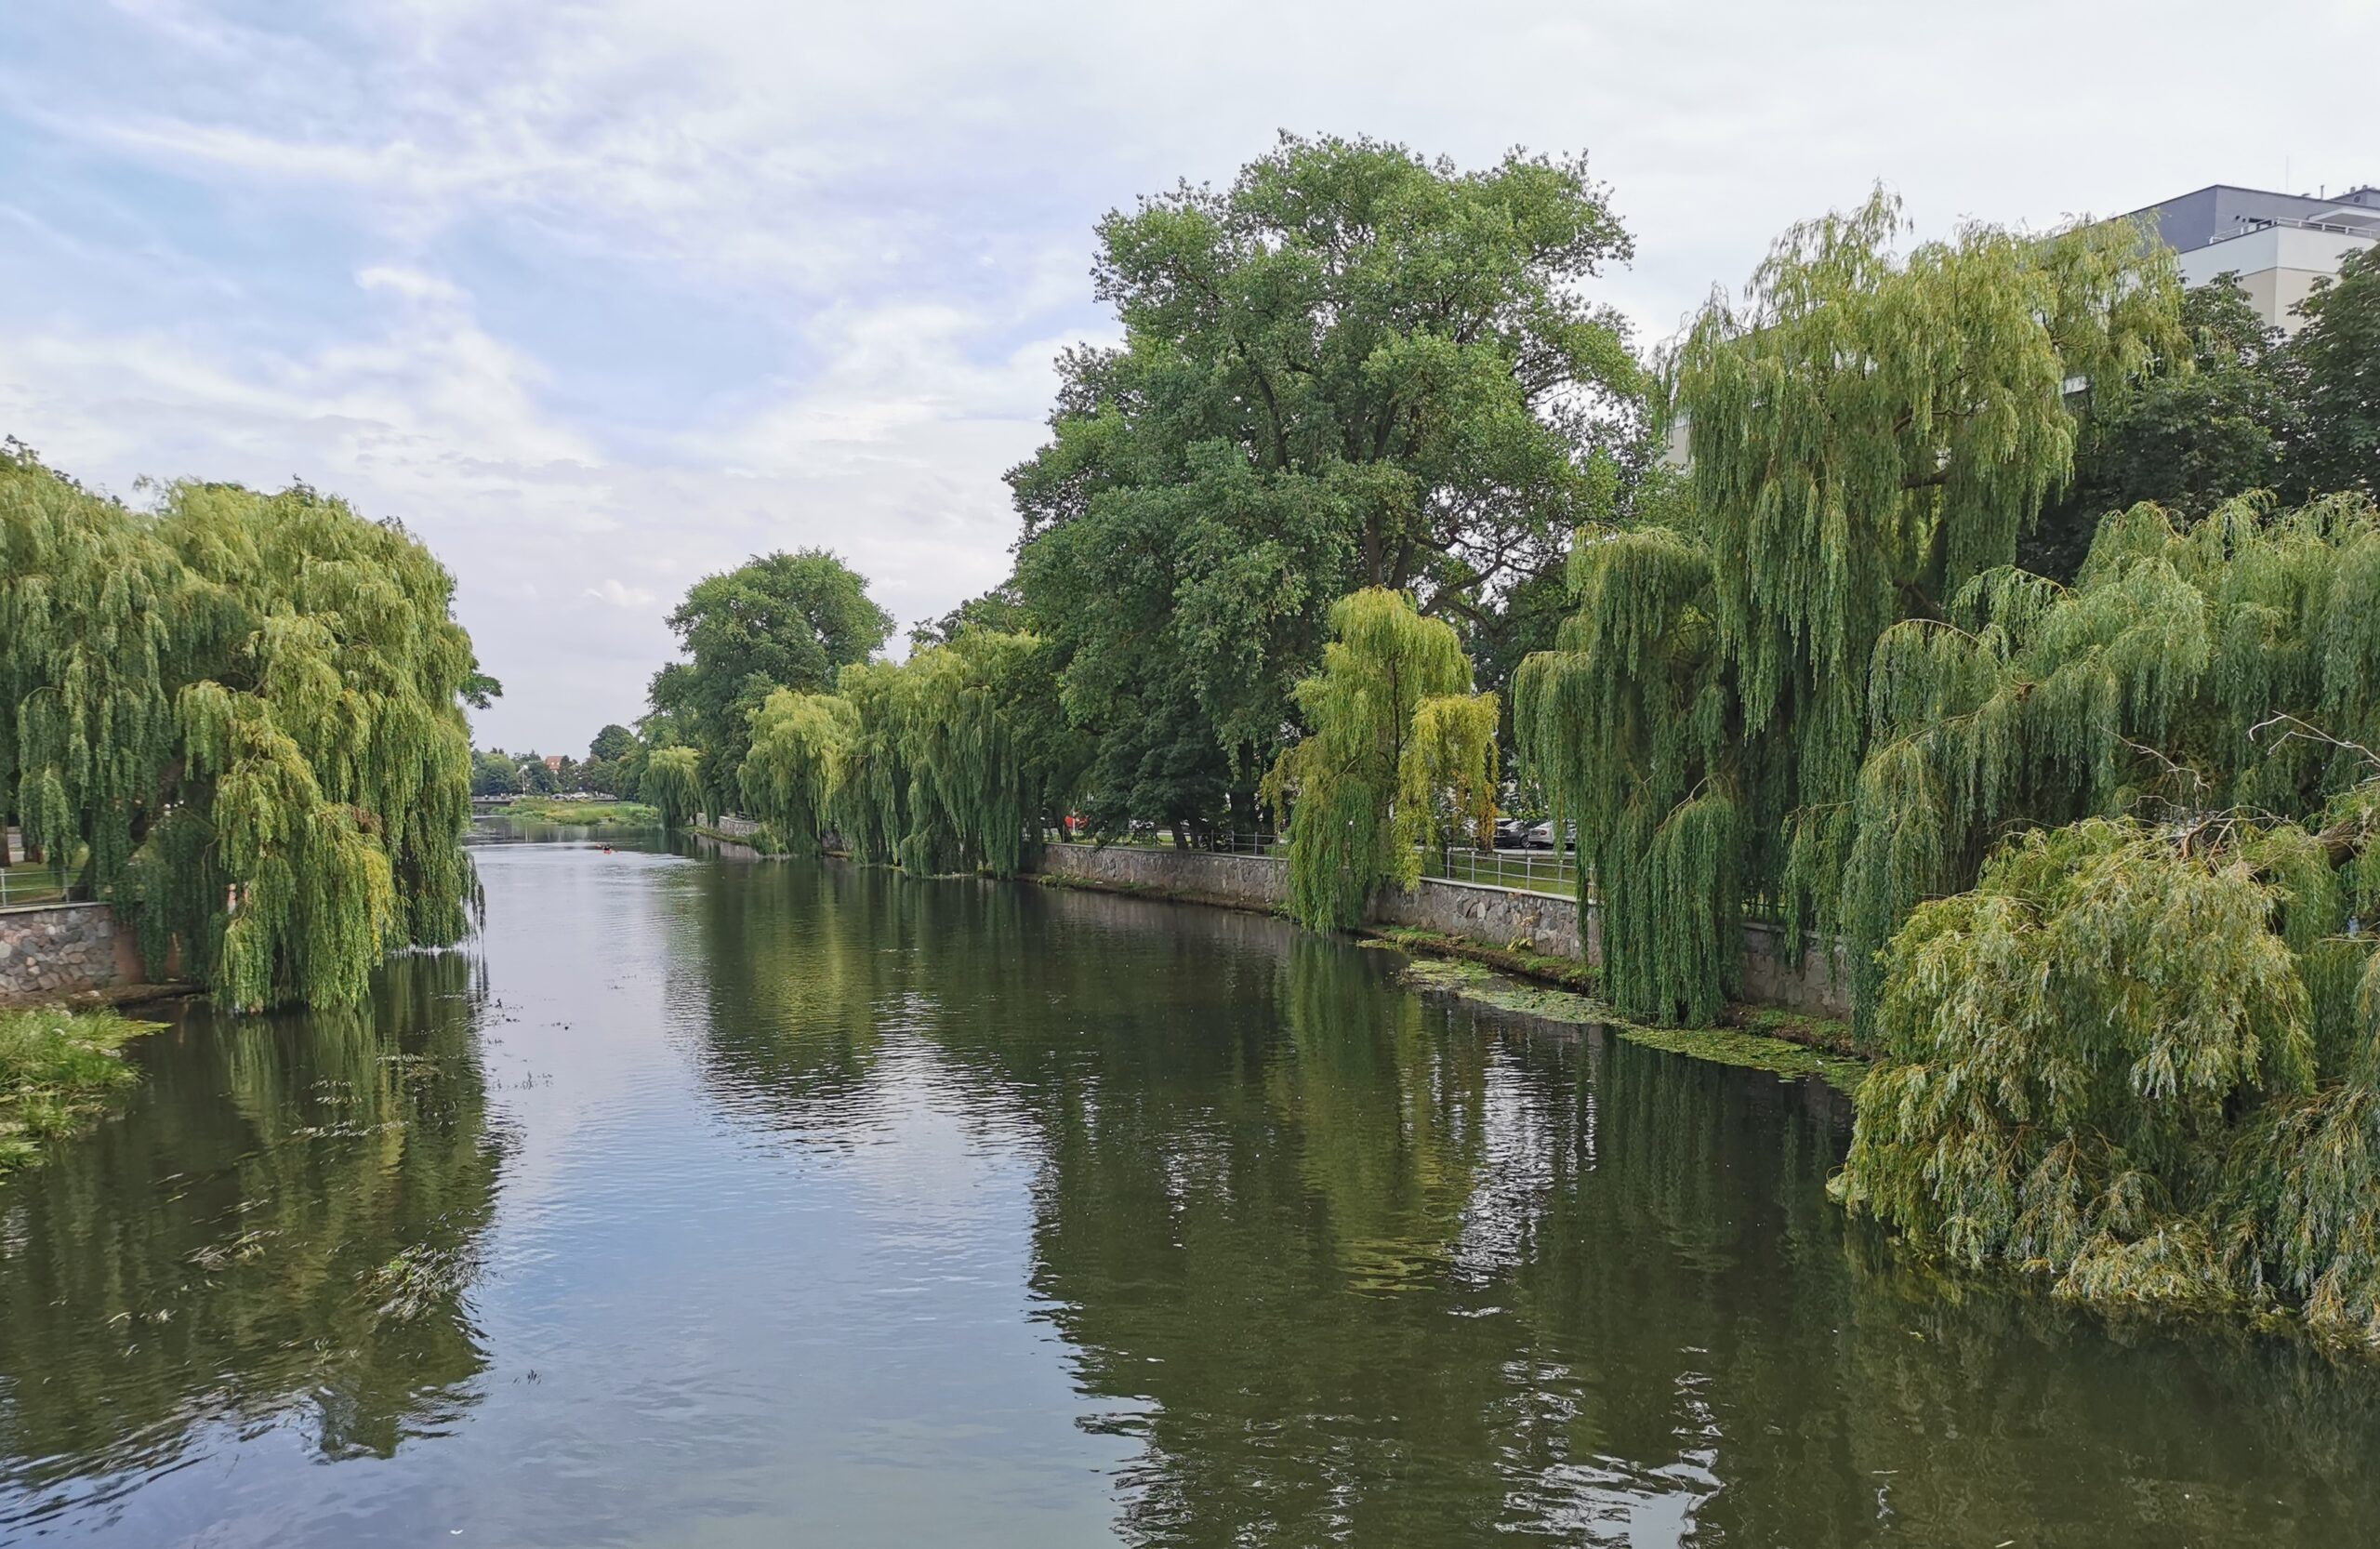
(301,1251)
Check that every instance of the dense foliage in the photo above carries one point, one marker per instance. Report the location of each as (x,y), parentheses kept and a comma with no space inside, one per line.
(2107,1062)
(2137,1051)
(243,715)
(777,621)
(1353,367)
(1869,432)
(2336,442)
(1400,752)
(796,764)
(672,783)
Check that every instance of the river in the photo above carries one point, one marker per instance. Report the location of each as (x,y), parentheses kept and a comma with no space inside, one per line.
(714,1202)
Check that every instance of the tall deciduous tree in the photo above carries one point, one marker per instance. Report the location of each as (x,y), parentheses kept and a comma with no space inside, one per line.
(1352,367)
(778,621)
(789,778)
(2336,444)
(1401,752)
(1869,432)
(2189,433)
(244,712)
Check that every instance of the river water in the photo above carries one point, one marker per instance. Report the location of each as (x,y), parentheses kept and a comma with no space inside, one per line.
(707,1202)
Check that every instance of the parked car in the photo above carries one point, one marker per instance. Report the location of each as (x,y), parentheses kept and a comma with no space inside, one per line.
(1541,836)
(1511,833)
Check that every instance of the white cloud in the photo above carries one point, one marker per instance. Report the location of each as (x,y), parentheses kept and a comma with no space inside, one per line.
(610,591)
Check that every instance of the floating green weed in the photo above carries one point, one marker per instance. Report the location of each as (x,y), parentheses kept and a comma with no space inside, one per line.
(55,1068)
(1720,1045)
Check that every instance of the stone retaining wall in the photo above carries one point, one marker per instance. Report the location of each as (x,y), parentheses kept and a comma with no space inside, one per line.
(1490,916)
(1251,881)
(1487,916)
(50,950)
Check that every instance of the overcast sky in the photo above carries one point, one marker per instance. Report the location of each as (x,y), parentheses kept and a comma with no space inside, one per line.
(601,297)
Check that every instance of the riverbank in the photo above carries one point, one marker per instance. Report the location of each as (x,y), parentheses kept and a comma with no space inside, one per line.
(1783,1039)
(1500,929)
(593,815)
(57,1069)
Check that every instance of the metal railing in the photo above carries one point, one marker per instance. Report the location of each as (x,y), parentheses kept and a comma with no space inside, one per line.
(2249,225)
(1162,839)
(1550,871)
(32,883)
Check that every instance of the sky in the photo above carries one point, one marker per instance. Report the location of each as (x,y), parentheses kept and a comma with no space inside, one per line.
(599,297)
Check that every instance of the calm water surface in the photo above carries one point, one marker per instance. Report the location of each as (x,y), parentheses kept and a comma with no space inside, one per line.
(713,1203)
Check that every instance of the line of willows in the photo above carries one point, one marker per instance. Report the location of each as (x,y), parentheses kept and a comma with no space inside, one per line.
(1364,511)
(2015,620)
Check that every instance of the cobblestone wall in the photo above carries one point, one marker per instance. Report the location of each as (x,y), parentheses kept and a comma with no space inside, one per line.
(1490,916)
(48,951)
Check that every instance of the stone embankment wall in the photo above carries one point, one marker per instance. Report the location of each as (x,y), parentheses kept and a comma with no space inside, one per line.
(1246,881)
(1489,916)
(51,950)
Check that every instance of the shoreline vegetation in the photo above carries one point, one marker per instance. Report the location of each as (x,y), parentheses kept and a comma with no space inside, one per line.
(1510,979)
(57,1070)
(590,815)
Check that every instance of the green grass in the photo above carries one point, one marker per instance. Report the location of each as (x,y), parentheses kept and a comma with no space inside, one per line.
(57,1068)
(584,815)
(30,882)
(1522,870)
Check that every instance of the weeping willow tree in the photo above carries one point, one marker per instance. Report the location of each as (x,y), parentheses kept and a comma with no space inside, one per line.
(99,625)
(871,802)
(244,713)
(789,778)
(2227,665)
(2103,1064)
(1632,726)
(1398,746)
(2140,1054)
(1869,432)
(945,770)
(674,782)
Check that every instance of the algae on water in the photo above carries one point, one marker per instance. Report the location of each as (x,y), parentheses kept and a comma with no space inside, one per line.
(1720,1045)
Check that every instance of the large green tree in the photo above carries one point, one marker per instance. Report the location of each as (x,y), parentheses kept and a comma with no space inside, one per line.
(1354,367)
(1869,430)
(2334,445)
(244,714)
(777,621)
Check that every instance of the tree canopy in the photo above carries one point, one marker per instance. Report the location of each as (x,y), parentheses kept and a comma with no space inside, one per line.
(1400,752)
(2189,432)
(244,714)
(1869,432)
(782,620)
(2336,444)
(1353,367)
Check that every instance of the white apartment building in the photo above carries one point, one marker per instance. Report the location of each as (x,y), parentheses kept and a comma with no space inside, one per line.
(2277,244)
